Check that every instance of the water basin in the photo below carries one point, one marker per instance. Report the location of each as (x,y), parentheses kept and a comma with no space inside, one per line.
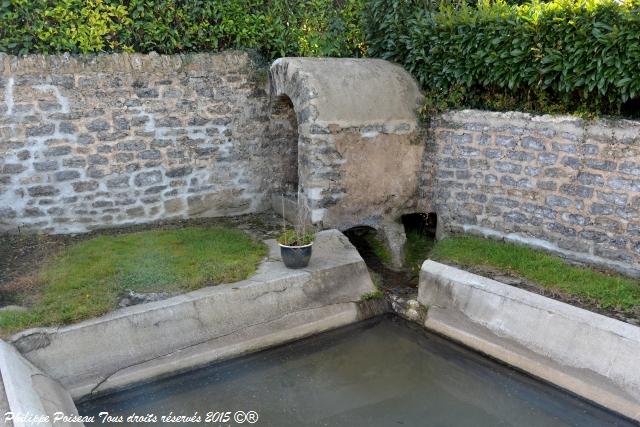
(381,372)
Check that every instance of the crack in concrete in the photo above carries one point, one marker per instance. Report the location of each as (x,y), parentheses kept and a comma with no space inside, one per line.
(273,291)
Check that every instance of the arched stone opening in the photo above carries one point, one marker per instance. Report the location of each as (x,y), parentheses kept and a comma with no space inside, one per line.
(284,136)
(369,243)
(420,223)
(373,245)
(285,128)
(359,143)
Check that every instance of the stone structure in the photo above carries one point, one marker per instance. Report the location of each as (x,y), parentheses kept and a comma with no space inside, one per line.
(360,149)
(107,140)
(561,183)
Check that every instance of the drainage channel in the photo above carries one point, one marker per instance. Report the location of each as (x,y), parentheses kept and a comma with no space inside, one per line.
(398,281)
(400,286)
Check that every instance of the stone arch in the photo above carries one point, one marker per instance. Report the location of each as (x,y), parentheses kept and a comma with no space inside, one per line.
(284,126)
(360,145)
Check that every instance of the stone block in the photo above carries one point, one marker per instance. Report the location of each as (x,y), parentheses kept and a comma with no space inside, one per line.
(144,179)
(84,186)
(40,130)
(67,175)
(533,144)
(56,151)
(43,191)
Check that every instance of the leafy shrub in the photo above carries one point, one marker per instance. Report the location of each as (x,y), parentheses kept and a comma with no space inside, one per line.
(273,27)
(564,55)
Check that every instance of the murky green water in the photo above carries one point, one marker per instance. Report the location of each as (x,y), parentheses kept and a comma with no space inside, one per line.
(383,372)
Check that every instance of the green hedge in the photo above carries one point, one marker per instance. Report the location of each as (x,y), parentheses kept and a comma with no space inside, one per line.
(273,27)
(560,56)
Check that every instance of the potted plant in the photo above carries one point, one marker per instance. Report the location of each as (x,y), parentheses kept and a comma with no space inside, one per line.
(296,243)
(295,248)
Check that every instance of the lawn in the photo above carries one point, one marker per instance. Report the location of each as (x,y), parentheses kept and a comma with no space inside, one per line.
(86,279)
(608,290)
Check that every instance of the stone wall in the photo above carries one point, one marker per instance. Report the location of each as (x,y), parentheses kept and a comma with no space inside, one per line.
(568,185)
(109,140)
(106,140)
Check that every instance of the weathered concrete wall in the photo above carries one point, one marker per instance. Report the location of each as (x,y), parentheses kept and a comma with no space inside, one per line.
(589,354)
(105,140)
(565,184)
(31,398)
(360,146)
(146,341)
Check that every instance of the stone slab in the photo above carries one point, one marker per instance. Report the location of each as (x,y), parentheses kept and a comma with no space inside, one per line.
(586,353)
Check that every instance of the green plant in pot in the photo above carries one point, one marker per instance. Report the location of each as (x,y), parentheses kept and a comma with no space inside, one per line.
(296,243)
(295,248)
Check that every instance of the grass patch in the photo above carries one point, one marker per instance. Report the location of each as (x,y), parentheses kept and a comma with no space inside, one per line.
(372,295)
(416,250)
(551,272)
(378,247)
(86,279)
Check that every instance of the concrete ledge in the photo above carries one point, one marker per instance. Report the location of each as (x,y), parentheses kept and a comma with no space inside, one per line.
(144,342)
(4,404)
(27,392)
(588,354)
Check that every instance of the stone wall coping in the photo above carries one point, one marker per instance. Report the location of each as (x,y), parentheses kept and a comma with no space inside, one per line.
(605,126)
(38,64)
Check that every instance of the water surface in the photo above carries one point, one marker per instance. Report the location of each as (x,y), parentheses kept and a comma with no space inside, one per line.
(382,372)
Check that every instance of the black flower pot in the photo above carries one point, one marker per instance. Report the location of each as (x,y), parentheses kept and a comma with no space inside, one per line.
(296,256)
